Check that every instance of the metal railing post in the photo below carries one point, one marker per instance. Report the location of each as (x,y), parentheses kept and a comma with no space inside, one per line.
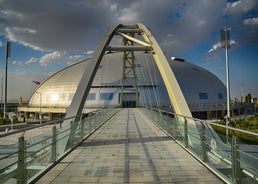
(95,120)
(54,143)
(174,126)
(203,143)
(90,119)
(22,164)
(71,134)
(186,133)
(82,129)
(235,160)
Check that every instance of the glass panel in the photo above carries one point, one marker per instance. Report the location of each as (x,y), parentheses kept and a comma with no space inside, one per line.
(234,156)
(91,96)
(106,96)
(220,96)
(40,150)
(203,95)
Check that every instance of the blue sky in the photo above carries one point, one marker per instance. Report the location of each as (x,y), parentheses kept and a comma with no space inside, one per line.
(49,35)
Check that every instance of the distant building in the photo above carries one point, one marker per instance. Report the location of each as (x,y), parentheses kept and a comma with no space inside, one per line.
(204,92)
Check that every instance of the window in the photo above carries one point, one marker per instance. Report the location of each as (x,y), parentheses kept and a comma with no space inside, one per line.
(220,96)
(91,96)
(106,96)
(203,95)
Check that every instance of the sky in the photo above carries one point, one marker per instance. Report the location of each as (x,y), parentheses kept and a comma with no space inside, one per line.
(49,35)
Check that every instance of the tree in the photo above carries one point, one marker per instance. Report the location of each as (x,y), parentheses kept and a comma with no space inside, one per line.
(248,98)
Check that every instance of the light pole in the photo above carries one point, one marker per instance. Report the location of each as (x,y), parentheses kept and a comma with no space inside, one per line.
(225,43)
(40,104)
(6,67)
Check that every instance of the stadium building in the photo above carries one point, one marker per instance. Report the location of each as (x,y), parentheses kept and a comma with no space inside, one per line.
(203,91)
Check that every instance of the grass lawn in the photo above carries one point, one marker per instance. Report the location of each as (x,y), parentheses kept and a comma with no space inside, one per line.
(8,122)
(249,124)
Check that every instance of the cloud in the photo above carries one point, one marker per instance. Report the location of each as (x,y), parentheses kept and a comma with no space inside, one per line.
(251,21)
(65,31)
(55,25)
(32,61)
(74,59)
(241,6)
(218,45)
(28,62)
(90,52)
(50,58)
(66,25)
(215,47)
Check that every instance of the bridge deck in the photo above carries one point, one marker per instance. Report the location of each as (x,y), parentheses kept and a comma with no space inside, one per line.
(129,149)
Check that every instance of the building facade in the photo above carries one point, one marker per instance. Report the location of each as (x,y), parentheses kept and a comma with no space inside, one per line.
(203,91)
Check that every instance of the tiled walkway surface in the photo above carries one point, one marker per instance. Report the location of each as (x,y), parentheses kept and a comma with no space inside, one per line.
(129,149)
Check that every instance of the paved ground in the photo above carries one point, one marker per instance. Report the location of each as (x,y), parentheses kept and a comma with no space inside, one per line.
(129,149)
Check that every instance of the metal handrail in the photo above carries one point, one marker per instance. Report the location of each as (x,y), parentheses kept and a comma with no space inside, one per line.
(43,124)
(232,152)
(206,121)
(59,143)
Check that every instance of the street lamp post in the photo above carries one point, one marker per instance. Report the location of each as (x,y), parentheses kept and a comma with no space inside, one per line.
(6,67)
(225,42)
(40,104)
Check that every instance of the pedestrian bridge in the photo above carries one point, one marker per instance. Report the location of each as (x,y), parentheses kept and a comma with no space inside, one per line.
(134,145)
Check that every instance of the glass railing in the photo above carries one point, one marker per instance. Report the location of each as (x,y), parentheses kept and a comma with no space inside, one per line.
(27,154)
(230,156)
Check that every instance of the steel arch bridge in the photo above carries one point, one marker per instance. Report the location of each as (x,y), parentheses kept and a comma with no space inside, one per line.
(131,44)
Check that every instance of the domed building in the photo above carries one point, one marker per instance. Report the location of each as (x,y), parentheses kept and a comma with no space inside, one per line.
(203,91)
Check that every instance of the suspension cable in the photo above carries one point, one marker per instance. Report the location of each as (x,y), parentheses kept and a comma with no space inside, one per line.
(146,82)
(155,78)
(150,76)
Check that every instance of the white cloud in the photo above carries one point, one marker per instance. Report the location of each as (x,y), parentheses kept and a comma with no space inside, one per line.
(128,16)
(114,7)
(71,27)
(14,32)
(74,59)
(241,6)
(52,57)
(48,26)
(65,26)
(251,21)
(22,63)
(215,47)
(90,52)
(218,45)
(10,13)
(16,62)
(32,61)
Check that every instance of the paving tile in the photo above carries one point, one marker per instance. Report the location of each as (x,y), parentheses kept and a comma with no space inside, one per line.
(129,150)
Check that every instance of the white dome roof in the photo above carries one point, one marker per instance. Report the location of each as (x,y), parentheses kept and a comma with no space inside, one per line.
(201,88)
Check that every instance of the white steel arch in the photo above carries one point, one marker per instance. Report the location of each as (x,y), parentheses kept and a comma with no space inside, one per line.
(149,44)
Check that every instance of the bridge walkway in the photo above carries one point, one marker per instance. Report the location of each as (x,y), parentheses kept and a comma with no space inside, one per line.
(129,148)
